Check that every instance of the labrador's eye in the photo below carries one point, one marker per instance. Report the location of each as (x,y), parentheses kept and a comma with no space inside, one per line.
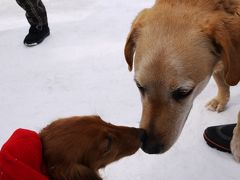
(141,89)
(180,93)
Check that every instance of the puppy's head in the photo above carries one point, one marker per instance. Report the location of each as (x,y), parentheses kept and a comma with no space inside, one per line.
(73,144)
(174,49)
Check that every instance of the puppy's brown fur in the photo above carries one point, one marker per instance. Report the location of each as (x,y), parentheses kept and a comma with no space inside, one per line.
(76,148)
(175,47)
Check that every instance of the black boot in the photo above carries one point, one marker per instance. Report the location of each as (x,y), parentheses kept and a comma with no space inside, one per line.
(36,35)
(219,137)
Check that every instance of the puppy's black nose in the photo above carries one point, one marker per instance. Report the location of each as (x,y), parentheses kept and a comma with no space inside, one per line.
(142,135)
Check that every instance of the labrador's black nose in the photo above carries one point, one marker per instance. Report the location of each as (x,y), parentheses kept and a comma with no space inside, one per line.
(152,148)
(151,144)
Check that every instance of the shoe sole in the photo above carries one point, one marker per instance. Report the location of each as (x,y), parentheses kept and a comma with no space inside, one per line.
(36,43)
(215,145)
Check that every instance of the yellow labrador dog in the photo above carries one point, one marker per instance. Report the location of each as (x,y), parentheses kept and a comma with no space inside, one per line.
(175,47)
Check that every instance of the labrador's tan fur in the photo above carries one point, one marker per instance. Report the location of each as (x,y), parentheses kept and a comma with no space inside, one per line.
(175,47)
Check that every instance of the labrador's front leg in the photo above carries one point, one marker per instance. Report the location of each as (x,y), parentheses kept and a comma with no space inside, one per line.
(219,103)
(235,143)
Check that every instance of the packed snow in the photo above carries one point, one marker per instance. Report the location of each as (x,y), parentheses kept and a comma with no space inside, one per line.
(80,69)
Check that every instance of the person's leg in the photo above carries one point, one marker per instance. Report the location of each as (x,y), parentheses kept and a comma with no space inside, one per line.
(37,18)
(35,12)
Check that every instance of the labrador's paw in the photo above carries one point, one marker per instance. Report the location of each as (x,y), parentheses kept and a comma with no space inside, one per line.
(217,104)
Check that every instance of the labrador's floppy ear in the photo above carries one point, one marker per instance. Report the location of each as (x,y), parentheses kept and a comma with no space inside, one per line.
(225,32)
(130,45)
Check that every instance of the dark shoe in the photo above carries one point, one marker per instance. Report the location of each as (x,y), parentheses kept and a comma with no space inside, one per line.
(219,137)
(36,35)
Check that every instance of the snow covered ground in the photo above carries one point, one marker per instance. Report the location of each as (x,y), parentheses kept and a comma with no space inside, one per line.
(80,69)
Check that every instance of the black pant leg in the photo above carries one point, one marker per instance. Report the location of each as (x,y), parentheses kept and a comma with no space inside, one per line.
(35,12)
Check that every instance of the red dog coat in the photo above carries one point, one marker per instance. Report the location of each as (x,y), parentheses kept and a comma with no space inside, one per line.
(21,157)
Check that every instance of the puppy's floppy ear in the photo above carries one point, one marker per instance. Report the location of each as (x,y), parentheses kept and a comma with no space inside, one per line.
(225,32)
(82,172)
(130,45)
(75,172)
(106,144)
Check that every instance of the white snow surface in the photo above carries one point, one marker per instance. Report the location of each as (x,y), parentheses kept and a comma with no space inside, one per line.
(80,69)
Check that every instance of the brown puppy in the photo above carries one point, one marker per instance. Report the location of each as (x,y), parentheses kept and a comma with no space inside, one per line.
(76,148)
(175,47)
